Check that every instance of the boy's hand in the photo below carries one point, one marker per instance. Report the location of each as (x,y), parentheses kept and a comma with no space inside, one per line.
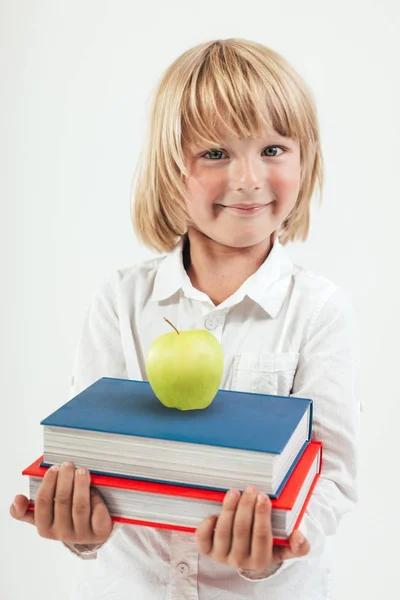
(66,508)
(241,536)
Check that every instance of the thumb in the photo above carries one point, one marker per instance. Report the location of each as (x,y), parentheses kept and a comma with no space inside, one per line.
(19,510)
(298,546)
(100,519)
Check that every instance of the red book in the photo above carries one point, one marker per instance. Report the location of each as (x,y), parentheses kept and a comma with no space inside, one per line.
(183,508)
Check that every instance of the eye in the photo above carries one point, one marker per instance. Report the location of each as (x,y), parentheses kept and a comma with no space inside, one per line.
(272,151)
(213,154)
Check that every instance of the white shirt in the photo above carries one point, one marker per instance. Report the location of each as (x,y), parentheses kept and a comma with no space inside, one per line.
(285,331)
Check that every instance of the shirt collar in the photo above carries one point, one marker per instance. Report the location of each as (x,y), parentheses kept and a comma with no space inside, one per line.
(171,275)
(267,286)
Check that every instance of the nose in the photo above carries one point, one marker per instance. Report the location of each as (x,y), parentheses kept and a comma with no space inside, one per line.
(246,175)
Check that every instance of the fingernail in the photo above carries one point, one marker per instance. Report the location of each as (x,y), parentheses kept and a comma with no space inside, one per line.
(251,489)
(232,495)
(261,499)
(67,464)
(54,468)
(300,541)
(81,471)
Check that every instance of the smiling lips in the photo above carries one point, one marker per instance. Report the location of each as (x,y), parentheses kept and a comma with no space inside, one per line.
(244,209)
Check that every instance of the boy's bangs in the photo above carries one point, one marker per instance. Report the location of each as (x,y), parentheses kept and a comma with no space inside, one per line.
(237,98)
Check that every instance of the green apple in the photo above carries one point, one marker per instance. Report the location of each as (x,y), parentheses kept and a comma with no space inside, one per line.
(185,368)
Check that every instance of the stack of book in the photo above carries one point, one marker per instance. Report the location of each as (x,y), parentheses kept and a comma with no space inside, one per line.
(167,468)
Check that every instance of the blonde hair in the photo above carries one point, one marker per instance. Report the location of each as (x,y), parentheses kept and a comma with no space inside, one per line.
(253,86)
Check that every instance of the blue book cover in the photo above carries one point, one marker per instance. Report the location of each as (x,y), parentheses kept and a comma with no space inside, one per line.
(241,420)
(247,421)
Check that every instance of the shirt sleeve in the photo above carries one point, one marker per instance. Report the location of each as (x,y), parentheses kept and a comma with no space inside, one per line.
(99,354)
(84,551)
(100,351)
(327,372)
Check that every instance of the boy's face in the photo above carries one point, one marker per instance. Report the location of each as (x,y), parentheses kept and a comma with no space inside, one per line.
(241,192)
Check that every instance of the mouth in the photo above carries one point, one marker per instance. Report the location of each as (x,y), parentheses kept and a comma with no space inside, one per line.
(245,209)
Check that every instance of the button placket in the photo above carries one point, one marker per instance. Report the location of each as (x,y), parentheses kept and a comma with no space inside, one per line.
(184,566)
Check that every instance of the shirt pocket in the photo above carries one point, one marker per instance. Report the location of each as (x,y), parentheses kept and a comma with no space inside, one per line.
(266,373)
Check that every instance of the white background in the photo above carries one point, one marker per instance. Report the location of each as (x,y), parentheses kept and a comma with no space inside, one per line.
(76,78)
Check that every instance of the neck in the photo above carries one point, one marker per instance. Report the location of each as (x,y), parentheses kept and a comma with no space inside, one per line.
(219,270)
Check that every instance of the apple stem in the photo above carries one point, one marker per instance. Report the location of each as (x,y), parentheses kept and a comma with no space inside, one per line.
(173,326)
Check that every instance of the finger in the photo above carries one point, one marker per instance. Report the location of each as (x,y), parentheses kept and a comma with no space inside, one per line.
(205,533)
(224,528)
(44,503)
(298,546)
(298,543)
(19,510)
(62,524)
(81,505)
(243,525)
(101,523)
(262,539)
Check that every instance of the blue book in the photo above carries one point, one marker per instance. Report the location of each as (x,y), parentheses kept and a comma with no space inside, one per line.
(119,427)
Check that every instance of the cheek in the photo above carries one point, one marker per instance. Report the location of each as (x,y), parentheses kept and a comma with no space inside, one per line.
(203,188)
(286,183)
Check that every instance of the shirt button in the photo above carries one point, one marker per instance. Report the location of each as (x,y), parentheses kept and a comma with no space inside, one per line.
(211,322)
(182,569)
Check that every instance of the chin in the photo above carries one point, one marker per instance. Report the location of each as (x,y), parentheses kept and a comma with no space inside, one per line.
(241,241)
(231,239)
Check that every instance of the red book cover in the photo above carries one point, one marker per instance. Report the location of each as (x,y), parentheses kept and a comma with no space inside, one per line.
(285,500)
